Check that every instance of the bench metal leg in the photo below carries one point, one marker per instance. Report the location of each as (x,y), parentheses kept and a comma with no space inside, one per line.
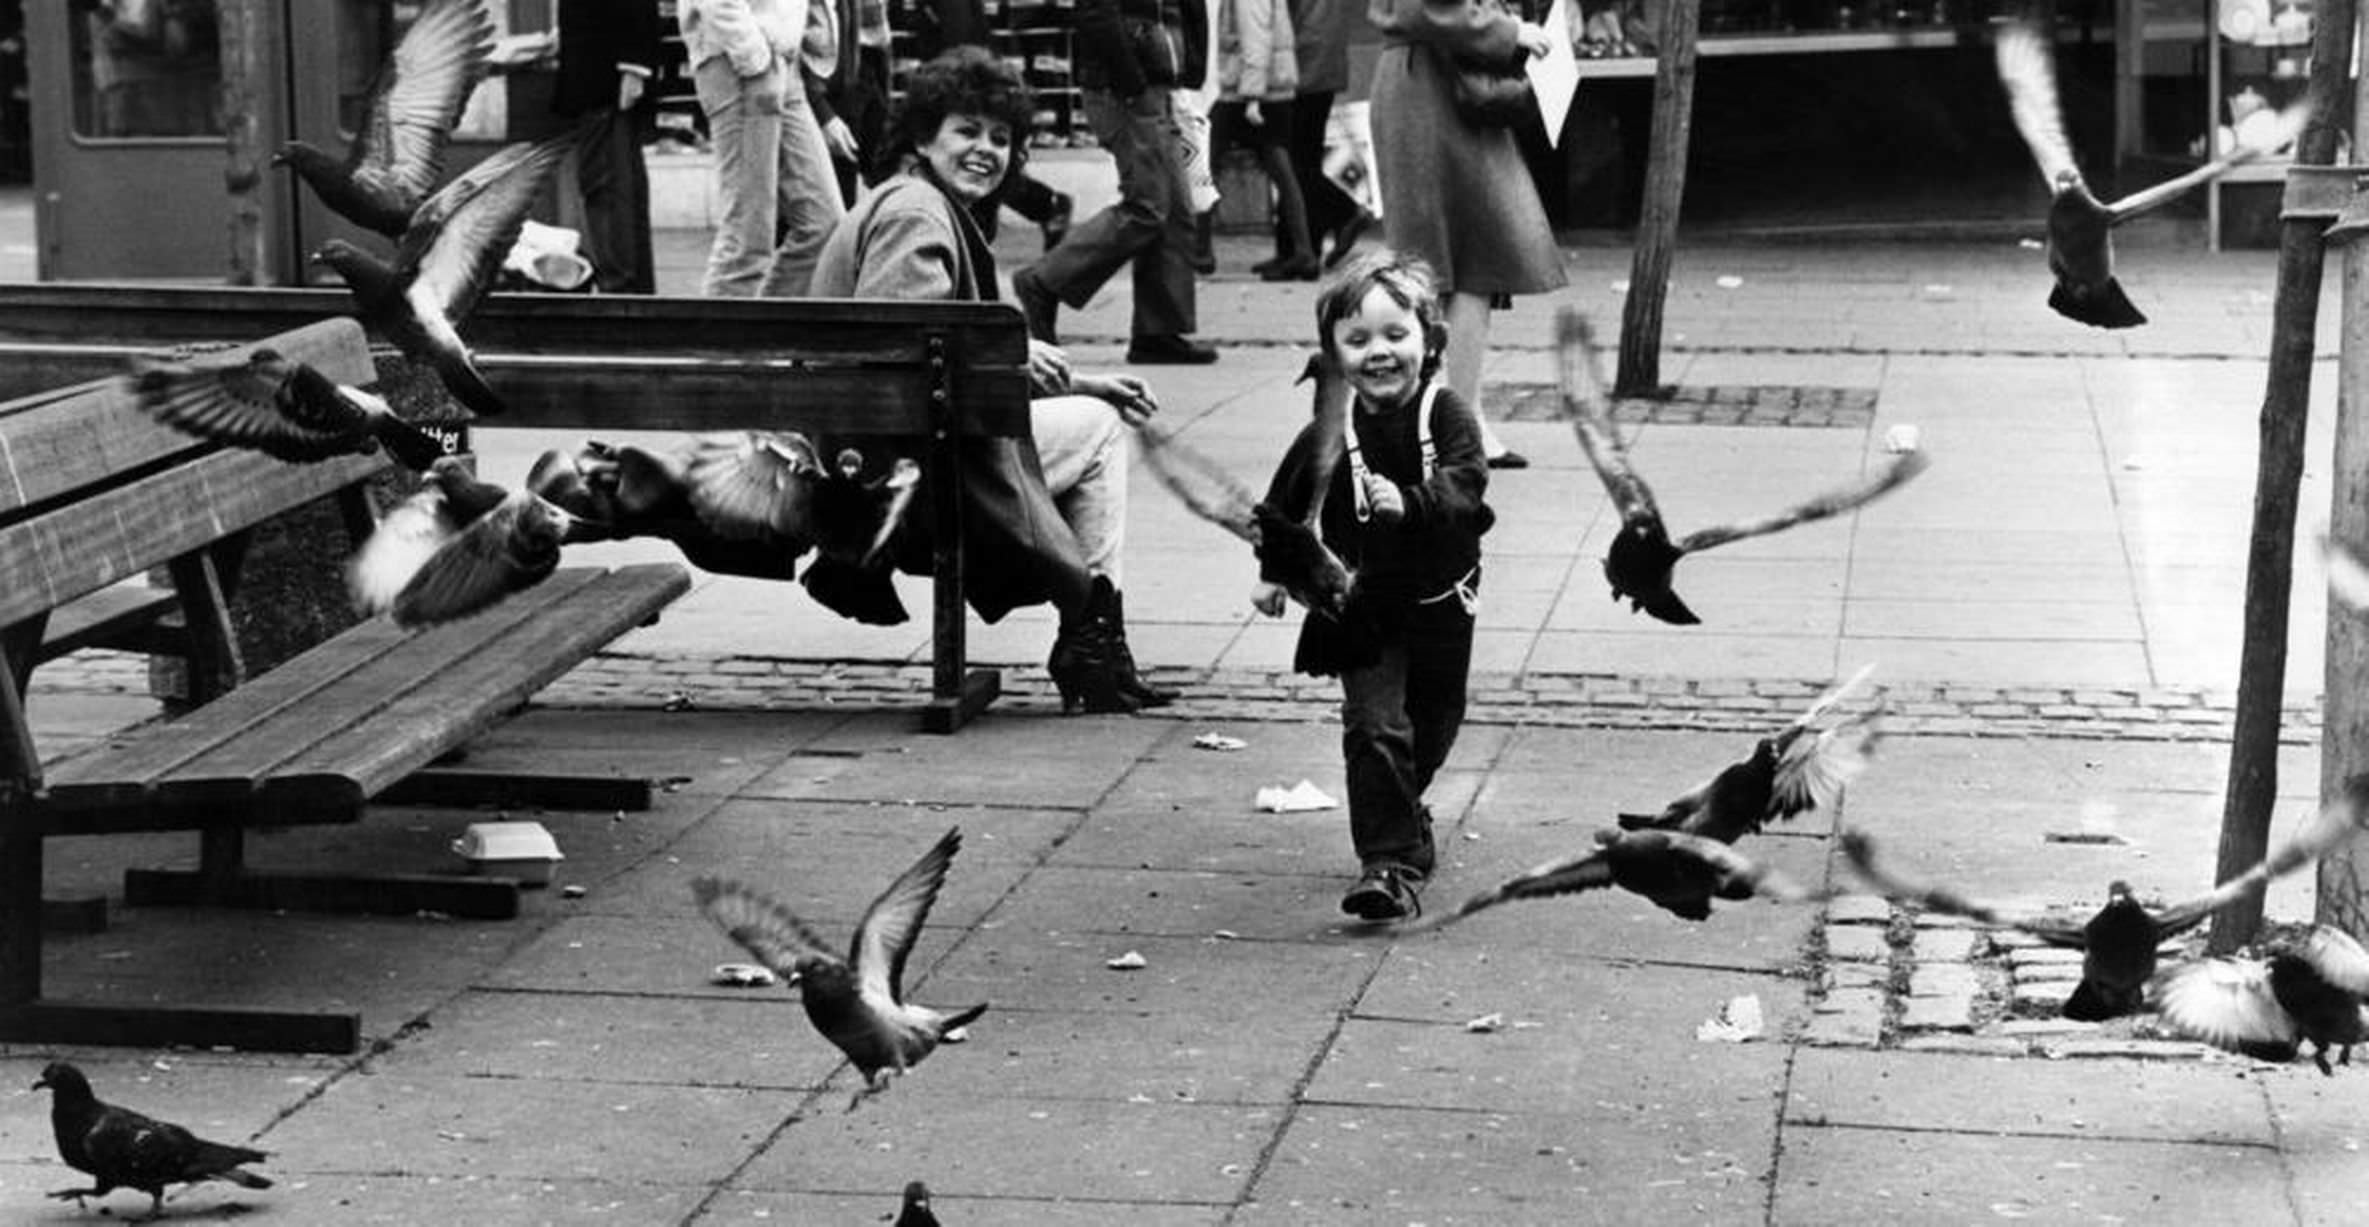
(948,712)
(465,788)
(20,919)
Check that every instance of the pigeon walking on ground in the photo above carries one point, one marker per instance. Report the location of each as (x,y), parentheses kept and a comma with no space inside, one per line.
(1678,872)
(916,1210)
(856,1001)
(1800,767)
(449,255)
(277,406)
(1642,559)
(458,546)
(2080,226)
(2266,1007)
(2118,942)
(397,157)
(121,1149)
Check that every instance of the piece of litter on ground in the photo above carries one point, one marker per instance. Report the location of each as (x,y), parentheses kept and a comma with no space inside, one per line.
(742,975)
(1486,1023)
(1738,1021)
(1226,935)
(1729,281)
(2082,837)
(571,891)
(957,1035)
(1940,289)
(676,701)
(2133,463)
(1620,287)
(1130,961)
(1902,438)
(1304,795)
(1218,741)
(2030,244)
(1472,835)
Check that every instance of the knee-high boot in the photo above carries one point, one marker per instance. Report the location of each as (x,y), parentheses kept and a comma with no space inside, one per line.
(1084,662)
(1130,682)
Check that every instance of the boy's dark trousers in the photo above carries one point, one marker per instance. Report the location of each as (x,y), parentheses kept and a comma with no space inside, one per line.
(1399,719)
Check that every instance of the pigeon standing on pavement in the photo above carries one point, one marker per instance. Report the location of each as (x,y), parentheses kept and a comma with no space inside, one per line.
(121,1149)
(2264,1008)
(1642,559)
(856,1001)
(916,1210)
(448,256)
(397,157)
(2118,942)
(1800,767)
(1678,872)
(458,546)
(2080,226)
(275,405)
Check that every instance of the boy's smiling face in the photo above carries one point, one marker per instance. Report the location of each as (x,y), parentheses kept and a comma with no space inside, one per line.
(1381,347)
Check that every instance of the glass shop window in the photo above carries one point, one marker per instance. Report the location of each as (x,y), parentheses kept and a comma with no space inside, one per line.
(147,68)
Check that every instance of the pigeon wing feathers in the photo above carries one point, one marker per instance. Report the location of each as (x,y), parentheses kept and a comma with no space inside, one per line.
(1813,771)
(2336,822)
(1859,847)
(1734,867)
(2224,1002)
(747,484)
(1568,875)
(2289,126)
(1818,507)
(1197,481)
(1591,419)
(460,236)
(506,551)
(2027,68)
(406,537)
(894,920)
(2339,959)
(263,402)
(1835,694)
(771,933)
(1329,444)
(418,99)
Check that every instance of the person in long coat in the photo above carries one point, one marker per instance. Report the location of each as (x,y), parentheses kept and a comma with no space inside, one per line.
(608,50)
(1453,192)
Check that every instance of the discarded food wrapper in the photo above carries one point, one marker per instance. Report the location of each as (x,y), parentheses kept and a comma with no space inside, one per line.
(1130,961)
(956,1035)
(1729,282)
(2030,244)
(521,850)
(1901,438)
(1218,741)
(743,975)
(1738,1021)
(1486,1023)
(1304,795)
(571,891)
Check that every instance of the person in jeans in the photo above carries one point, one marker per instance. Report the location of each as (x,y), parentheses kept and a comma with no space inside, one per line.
(1128,56)
(1404,512)
(773,171)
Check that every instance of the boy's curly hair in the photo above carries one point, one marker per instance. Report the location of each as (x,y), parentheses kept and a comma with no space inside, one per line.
(1406,278)
(966,80)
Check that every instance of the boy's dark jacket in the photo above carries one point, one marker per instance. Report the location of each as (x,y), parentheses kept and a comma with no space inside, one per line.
(1428,552)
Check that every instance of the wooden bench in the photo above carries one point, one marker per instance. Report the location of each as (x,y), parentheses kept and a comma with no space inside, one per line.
(97,491)
(941,371)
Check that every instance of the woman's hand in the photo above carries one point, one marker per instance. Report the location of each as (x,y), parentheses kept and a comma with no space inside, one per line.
(1534,39)
(1267,598)
(1048,368)
(1128,394)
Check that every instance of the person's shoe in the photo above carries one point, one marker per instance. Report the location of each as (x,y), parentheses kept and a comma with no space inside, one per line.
(1509,459)
(1131,682)
(1056,223)
(1084,662)
(1384,892)
(1296,268)
(1169,350)
(1037,305)
(1268,265)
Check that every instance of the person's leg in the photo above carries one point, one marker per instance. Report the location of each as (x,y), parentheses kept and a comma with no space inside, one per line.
(1329,208)
(744,127)
(1082,446)
(1163,271)
(1294,253)
(810,204)
(1460,365)
(1098,247)
(1377,751)
(1439,670)
(616,192)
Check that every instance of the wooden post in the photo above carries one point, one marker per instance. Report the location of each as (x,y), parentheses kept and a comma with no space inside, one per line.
(2343,890)
(1640,371)
(2278,474)
(245,37)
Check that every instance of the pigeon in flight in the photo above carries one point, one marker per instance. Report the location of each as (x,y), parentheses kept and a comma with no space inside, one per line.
(916,1210)
(277,406)
(458,546)
(1291,552)
(398,156)
(450,253)
(1643,558)
(1800,767)
(2266,1007)
(121,1149)
(2080,226)
(772,484)
(2118,943)
(1678,872)
(857,1001)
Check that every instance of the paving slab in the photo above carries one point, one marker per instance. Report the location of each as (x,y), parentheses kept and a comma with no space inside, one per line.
(759,1039)
(2146,1100)
(996,761)
(758,1205)
(1203,977)
(1168,1057)
(1148,902)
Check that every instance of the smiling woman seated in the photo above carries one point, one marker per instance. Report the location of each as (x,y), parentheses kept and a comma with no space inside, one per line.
(1046,516)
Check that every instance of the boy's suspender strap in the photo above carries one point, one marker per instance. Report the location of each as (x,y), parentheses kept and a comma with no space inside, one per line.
(1425,448)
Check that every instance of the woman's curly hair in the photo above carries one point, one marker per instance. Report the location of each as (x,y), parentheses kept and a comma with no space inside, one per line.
(967,80)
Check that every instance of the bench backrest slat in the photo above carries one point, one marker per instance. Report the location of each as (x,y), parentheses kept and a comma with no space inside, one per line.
(683,394)
(55,443)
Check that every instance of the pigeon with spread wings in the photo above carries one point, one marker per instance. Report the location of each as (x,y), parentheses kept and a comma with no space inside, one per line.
(450,254)
(2118,942)
(1291,553)
(1799,767)
(276,405)
(1642,559)
(397,157)
(858,1000)
(121,1149)
(1678,872)
(460,545)
(2312,991)
(2080,226)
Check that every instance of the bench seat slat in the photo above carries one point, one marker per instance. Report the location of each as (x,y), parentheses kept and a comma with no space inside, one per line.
(408,733)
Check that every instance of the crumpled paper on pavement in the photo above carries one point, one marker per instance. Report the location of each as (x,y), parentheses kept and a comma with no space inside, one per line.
(1218,741)
(1304,795)
(1738,1021)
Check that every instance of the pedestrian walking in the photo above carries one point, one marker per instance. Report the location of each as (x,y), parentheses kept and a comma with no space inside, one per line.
(773,171)
(608,50)
(1258,82)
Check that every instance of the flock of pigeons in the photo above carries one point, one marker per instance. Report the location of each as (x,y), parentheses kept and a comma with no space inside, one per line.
(754,502)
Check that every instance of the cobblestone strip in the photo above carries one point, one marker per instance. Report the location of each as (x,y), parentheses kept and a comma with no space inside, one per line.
(1549,699)
(1701,405)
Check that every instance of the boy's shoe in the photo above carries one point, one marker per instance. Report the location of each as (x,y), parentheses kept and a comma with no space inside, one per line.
(1385,892)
